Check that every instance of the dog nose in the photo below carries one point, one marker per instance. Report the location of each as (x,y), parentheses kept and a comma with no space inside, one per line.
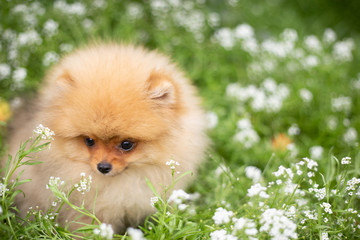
(104,167)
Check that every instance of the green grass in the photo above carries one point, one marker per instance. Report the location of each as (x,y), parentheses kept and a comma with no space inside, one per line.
(201,37)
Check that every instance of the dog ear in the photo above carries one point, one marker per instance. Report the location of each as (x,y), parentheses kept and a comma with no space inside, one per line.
(64,79)
(161,88)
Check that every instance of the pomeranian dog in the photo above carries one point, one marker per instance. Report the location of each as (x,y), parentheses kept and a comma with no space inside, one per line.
(119,113)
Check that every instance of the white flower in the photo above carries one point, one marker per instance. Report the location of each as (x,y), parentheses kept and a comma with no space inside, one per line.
(51,27)
(312,43)
(253,173)
(277,225)
(105,231)
(257,189)
(225,37)
(341,104)
(306,95)
(248,224)
(5,71)
(324,236)
(222,216)
(294,130)
(332,122)
(172,164)
(346,160)
(50,58)
(329,36)
(311,61)
(135,11)
(343,50)
(316,152)
(65,47)
(221,235)
(54,182)
(1,210)
(350,136)
(244,124)
(289,34)
(247,137)
(178,196)
(28,38)
(44,132)
(3,189)
(135,234)
(85,184)
(327,207)
(283,171)
(214,19)
(19,76)
(244,31)
(153,200)
(76,8)
(212,119)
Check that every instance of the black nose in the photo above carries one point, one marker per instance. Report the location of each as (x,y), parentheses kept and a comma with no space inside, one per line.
(104,167)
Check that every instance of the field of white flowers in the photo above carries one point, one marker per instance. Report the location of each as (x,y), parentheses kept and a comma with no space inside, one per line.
(280,82)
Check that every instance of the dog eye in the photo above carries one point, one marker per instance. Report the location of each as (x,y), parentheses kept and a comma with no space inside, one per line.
(89,142)
(126,145)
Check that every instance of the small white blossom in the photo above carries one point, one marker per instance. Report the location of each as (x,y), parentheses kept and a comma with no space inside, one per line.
(5,71)
(135,234)
(51,27)
(257,189)
(312,43)
(316,152)
(306,95)
(44,132)
(277,225)
(327,207)
(50,58)
(105,231)
(350,136)
(341,104)
(324,236)
(346,160)
(343,50)
(85,184)
(54,182)
(222,216)
(329,36)
(221,235)
(3,189)
(179,196)
(294,130)
(19,76)
(172,164)
(212,119)
(153,200)
(253,173)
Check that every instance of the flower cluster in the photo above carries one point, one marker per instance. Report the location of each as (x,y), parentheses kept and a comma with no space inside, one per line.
(246,135)
(222,216)
(153,201)
(104,231)
(268,97)
(277,225)
(135,234)
(44,132)
(172,164)
(55,182)
(85,184)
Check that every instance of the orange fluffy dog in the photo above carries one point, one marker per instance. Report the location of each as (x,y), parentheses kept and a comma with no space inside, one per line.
(119,113)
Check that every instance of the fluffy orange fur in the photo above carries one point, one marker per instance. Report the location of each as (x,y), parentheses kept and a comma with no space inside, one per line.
(112,93)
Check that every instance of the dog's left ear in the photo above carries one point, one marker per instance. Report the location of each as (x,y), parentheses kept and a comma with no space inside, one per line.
(161,89)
